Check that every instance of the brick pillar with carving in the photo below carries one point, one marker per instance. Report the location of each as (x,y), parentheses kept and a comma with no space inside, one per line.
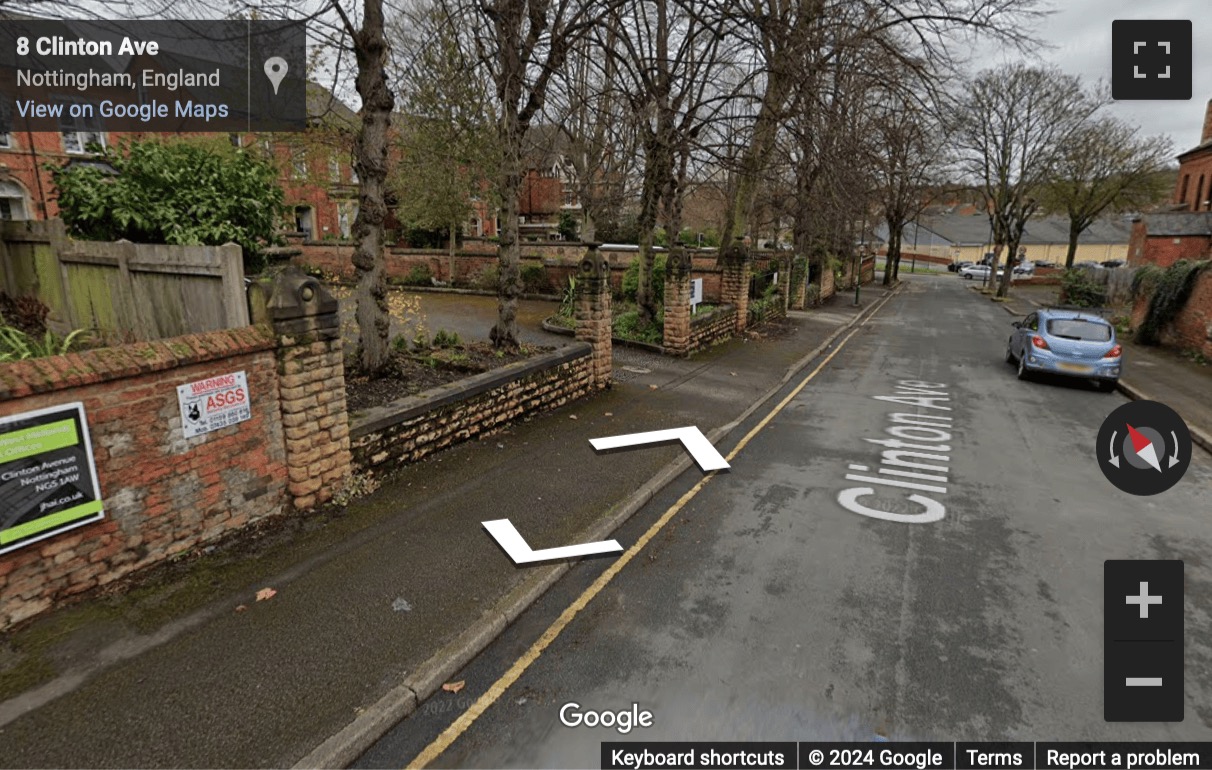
(593,314)
(676,337)
(311,372)
(799,283)
(734,285)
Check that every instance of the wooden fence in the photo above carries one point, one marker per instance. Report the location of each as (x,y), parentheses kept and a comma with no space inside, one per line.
(132,291)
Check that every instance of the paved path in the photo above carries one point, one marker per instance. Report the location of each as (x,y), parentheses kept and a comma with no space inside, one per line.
(766,610)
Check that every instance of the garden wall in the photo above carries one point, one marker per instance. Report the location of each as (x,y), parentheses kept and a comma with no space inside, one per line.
(163,493)
(1191,330)
(411,428)
(712,328)
(469,267)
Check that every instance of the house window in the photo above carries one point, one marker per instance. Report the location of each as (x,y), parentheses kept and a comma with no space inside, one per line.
(234,139)
(1199,194)
(353,173)
(334,170)
(80,132)
(347,212)
(6,140)
(298,164)
(12,201)
(1182,197)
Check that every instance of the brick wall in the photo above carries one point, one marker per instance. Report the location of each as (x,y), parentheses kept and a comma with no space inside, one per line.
(163,493)
(560,260)
(1192,329)
(712,328)
(1164,252)
(414,427)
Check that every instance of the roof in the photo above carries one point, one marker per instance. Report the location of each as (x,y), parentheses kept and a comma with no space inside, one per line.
(1196,149)
(322,102)
(1175,223)
(974,230)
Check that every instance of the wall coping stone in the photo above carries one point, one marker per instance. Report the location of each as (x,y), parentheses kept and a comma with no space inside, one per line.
(88,367)
(699,319)
(405,409)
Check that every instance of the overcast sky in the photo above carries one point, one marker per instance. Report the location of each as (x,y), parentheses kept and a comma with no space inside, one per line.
(1079,32)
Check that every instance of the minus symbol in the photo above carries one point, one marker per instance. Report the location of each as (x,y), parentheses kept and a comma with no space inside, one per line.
(1144,681)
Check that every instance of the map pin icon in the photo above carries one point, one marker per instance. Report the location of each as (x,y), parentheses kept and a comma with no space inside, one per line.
(275,70)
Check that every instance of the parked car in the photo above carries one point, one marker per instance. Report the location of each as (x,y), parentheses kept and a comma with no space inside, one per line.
(1068,342)
(1024,268)
(955,267)
(1046,264)
(974,271)
(1112,263)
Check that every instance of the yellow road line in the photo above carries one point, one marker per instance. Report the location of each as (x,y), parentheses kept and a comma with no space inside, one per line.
(498,688)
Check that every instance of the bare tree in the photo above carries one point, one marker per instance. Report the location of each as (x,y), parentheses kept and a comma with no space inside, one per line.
(1010,129)
(908,154)
(522,45)
(787,37)
(1105,166)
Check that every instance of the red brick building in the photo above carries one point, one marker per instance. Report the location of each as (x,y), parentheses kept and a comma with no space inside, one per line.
(315,169)
(1185,231)
(1194,189)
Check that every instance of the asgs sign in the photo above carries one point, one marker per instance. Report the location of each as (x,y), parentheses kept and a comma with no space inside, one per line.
(214,403)
(48,481)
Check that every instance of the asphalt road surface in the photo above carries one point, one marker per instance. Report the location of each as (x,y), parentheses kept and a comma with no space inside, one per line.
(767,610)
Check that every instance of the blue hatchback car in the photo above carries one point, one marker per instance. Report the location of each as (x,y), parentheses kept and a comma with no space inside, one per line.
(1073,343)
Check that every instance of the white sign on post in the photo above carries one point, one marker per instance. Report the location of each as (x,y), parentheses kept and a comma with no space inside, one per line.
(696,294)
(214,403)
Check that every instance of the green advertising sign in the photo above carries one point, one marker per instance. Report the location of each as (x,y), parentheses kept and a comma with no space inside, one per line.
(48,481)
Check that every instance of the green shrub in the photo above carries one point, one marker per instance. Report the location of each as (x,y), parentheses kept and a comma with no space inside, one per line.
(627,326)
(445,339)
(419,275)
(1171,290)
(1080,290)
(568,301)
(16,345)
(487,279)
(812,295)
(631,279)
(534,279)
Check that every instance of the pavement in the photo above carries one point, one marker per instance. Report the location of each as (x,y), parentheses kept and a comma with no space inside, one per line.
(754,605)
(1150,373)
(376,606)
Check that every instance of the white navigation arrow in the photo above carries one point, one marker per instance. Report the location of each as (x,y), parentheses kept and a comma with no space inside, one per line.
(521,553)
(691,437)
(1114,457)
(1174,455)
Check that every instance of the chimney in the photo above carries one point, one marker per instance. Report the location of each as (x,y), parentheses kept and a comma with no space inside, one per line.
(1207,123)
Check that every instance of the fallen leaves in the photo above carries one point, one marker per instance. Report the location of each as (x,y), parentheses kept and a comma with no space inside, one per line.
(401,605)
(265,594)
(572,417)
(454,686)
(609,414)
(241,608)
(652,387)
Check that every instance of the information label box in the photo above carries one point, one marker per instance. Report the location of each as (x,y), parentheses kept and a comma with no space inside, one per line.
(84,78)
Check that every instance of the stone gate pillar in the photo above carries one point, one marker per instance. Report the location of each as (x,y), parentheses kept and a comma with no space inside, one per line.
(593,314)
(799,283)
(676,337)
(785,281)
(734,287)
(311,372)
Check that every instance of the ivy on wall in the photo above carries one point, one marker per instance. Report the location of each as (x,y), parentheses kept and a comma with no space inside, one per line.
(1169,290)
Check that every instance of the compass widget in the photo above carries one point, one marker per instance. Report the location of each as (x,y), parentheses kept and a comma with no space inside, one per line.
(1144,447)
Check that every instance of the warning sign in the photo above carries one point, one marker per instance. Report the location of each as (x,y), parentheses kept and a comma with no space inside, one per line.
(213,403)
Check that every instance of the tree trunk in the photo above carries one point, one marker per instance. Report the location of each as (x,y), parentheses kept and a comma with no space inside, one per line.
(654,181)
(370,155)
(1003,287)
(893,250)
(1071,255)
(505,333)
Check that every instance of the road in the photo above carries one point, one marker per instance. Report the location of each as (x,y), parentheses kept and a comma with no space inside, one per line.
(766,610)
